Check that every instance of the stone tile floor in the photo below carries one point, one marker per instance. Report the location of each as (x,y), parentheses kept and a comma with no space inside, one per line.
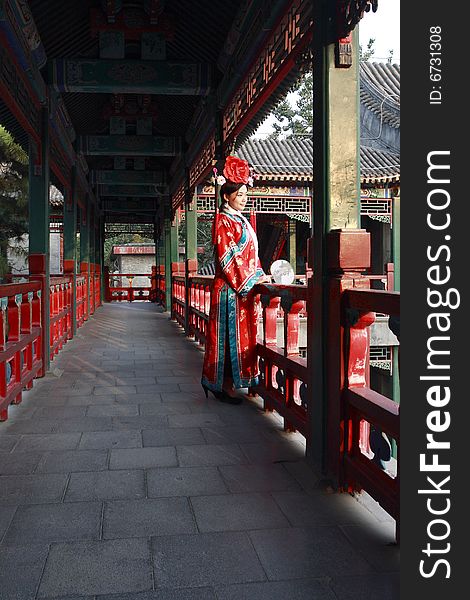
(120,481)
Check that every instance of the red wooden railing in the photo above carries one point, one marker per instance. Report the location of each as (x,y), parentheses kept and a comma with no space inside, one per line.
(366,414)
(81,288)
(60,311)
(20,341)
(361,468)
(21,331)
(116,292)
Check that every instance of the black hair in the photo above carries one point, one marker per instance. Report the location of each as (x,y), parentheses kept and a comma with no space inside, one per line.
(229,188)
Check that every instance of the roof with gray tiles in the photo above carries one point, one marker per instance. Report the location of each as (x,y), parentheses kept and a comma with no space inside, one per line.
(291,160)
(380,91)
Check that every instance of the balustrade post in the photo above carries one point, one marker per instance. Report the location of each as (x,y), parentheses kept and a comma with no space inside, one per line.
(348,256)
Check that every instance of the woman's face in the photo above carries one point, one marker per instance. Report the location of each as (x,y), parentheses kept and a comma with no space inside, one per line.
(237,200)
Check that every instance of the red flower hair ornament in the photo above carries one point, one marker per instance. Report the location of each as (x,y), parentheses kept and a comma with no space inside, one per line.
(237,170)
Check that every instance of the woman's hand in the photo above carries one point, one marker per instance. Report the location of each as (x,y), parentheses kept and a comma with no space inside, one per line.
(265,279)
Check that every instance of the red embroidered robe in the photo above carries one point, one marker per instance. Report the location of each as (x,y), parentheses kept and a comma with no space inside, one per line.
(232,308)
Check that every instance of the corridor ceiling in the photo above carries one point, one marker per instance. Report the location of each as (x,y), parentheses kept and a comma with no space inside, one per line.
(82,41)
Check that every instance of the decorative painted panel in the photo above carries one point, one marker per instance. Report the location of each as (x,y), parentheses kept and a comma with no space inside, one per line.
(285,41)
(132,190)
(130,76)
(127,177)
(18,95)
(124,145)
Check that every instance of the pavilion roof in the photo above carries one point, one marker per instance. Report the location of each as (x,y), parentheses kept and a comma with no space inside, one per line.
(291,159)
(380,90)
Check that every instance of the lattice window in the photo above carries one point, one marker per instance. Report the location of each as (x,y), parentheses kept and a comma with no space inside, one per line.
(298,208)
(379,209)
(381,357)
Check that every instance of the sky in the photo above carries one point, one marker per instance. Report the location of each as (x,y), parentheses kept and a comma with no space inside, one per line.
(384,27)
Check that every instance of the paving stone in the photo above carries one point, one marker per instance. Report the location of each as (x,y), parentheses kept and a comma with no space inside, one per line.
(103,567)
(117,390)
(33,426)
(7,442)
(145,518)
(210,455)
(179,379)
(54,523)
(60,412)
(161,408)
(298,589)
(195,420)
(143,458)
(182,481)
(272,452)
(227,434)
(385,586)
(20,571)
(90,400)
(111,439)
(6,516)
(181,396)
(190,387)
(237,512)
(73,460)
(85,424)
(44,442)
(133,380)
(137,399)
(27,489)
(376,542)
(307,552)
(157,388)
(113,410)
(304,474)
(105,485)
(204,593)
(258,478)
(18,463)
(145,422)
(172,437)
(304,509)
(204,559)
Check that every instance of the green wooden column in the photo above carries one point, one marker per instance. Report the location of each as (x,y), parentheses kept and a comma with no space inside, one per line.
(338,246)
(70,242)
(190,213)
(171,255)
(85,251)
(39,248)
(292,243)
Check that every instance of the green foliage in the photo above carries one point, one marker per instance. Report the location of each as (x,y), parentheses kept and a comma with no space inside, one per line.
(13,194)
(296,119)
(368,53)
(204,239)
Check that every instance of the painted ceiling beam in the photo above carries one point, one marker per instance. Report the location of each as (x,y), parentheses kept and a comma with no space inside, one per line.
(142,191)
(128,145)
(129,76)
(119,177)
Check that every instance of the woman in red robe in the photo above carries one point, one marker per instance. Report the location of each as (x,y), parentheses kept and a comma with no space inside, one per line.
(230,360)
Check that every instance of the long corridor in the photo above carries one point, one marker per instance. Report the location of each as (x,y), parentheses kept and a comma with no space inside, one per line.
(120,481)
